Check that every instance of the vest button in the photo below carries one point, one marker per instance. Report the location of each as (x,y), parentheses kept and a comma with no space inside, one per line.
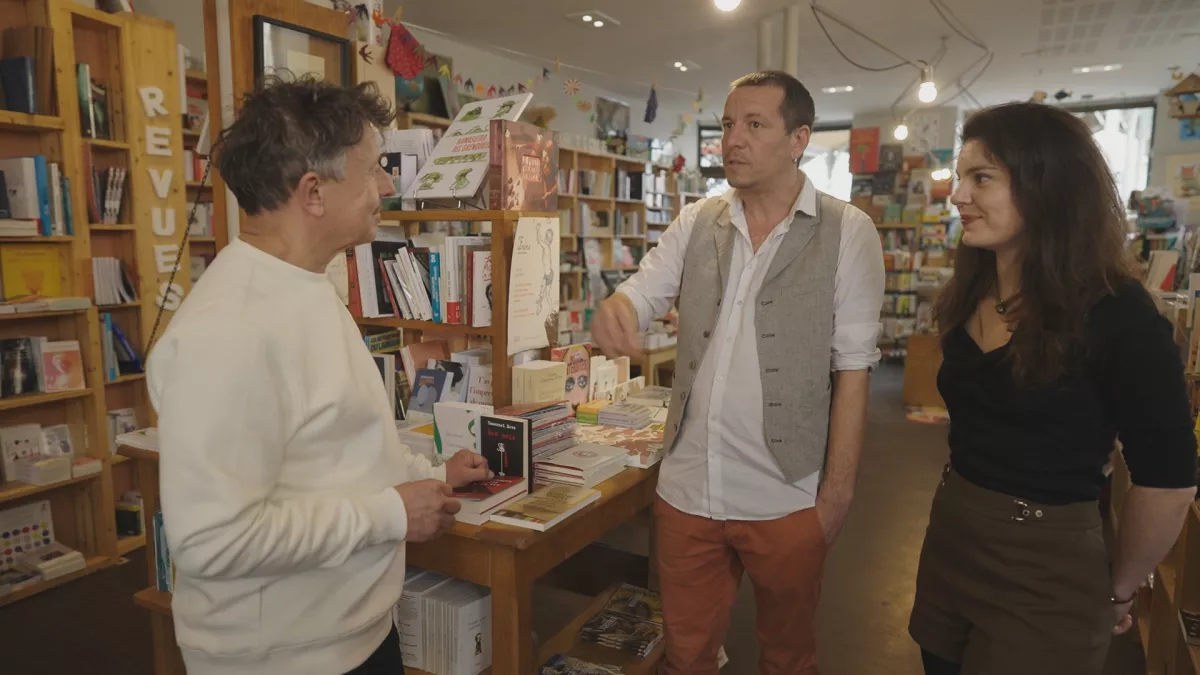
(692,365)
(706,333)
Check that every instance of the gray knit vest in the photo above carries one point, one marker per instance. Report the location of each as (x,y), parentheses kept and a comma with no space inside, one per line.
(793,316)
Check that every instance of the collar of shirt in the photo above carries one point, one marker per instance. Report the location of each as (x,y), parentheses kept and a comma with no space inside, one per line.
(806,203)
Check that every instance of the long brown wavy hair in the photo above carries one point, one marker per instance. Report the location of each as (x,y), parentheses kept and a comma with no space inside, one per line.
(1073,238)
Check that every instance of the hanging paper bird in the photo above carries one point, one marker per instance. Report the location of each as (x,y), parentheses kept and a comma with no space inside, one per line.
(444,70)
(545,73)
(583,106)
(571,87)
(458,79)
(651,106)
(479,89)
(404,53)
(365,53)
(491,92)
(521,88)
(469,84)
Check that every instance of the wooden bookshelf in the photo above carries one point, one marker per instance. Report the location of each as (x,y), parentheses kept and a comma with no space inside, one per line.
(123,52)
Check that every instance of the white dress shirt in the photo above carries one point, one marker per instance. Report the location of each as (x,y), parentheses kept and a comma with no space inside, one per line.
(720,467)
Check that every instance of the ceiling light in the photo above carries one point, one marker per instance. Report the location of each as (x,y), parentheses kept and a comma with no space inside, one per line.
(598,23)
(927,93)
(1107,68)
(587,17)
(838,90)
(683,69)
(727,5)
(593,17)
(678,64)
(901,131)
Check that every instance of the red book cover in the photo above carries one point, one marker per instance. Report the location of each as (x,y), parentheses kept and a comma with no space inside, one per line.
(522,168)
(864,150)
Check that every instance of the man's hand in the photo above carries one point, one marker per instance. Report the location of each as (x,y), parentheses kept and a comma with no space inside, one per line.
(431,507)
(831,513)
(466,467)
(615,327)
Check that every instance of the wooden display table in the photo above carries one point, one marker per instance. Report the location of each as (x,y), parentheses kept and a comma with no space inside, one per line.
(921,366)
(650,360)
(508,560)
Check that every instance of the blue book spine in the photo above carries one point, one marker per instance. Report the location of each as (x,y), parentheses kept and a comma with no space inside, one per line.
(43,188)
(435,285)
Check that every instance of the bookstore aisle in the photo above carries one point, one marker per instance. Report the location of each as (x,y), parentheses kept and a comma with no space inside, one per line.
(864,605)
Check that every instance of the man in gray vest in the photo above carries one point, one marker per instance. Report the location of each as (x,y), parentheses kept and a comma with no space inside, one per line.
(780,289)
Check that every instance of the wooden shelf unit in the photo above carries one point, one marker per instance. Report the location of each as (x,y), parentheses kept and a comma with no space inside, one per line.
(1176,586)
(124,52)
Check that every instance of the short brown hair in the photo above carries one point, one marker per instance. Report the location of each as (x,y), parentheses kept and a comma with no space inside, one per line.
(798,109)
(287,128)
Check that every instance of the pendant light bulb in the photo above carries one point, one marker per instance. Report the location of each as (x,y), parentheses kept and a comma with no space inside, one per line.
(901,131)
(727,5)
(927,92)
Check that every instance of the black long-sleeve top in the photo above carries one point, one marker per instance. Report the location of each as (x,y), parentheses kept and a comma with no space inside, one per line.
(1049,444)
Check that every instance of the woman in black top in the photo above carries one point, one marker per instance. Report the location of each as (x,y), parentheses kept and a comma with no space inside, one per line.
(1052,351)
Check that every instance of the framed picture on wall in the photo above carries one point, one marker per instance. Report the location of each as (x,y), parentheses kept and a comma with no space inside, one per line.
(281,48)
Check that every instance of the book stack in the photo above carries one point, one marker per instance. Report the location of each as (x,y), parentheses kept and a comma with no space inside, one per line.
(653,396)
(51,562)
(589,413)
(626,415)
(552,423)
(458,628)
(644,447)
(583,465)
(632,621)
(560,664)
(546,507)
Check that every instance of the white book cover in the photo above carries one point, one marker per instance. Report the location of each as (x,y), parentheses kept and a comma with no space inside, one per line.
(19,441)
(584,458)
(459,162)
(533,285)
(472,631)
(457,426)
(20,179)
(481,288)
(409,615)
(479,385)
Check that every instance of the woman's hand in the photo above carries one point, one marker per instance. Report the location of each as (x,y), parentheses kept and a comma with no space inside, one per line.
(1124,617)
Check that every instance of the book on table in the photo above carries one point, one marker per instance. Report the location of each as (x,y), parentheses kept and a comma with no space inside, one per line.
(505,443)
(585,465)
(632,621)
(546,507)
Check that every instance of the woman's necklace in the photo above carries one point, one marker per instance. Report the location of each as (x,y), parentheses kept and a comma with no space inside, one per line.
(1002,306)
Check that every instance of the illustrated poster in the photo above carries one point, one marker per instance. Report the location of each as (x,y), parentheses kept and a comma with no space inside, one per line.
(533,286)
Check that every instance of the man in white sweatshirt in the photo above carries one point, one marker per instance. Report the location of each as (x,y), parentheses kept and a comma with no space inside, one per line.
(286,493)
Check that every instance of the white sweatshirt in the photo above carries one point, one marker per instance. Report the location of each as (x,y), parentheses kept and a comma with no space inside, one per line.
(278,457)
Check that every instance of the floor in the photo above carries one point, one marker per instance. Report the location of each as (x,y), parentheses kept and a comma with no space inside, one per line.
(91,626)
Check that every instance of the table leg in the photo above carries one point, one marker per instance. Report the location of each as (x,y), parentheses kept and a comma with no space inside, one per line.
(652,556)
(512,616)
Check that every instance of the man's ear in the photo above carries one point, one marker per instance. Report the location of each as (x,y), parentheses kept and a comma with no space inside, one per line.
(310,191)
(800,139)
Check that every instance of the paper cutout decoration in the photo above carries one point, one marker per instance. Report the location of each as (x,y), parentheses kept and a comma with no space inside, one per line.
(404,53)
(583,106)
(444,70)
(521,88)
(651,106)
(571,87)
(458,79)
(545,73)
(491,92)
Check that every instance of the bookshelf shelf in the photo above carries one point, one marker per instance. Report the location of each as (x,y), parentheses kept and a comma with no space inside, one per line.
(113,228)
(196,76)
(92,564)
(10,490)
(127,545)
(135,377)
(31,400)
(40,315)
(37,240)
(430,326)
(18,121)
(198,186)
(126,305)
(433,215)
(118,459)
(203,240)
(154,600)
(107,144)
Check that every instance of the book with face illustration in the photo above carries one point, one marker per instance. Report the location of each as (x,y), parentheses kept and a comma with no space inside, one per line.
(505,442)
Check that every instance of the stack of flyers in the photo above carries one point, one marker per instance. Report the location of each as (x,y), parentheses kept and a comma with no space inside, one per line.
(569,665)
(632,621)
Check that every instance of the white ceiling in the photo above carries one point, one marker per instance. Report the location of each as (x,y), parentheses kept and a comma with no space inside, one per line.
(1036,44)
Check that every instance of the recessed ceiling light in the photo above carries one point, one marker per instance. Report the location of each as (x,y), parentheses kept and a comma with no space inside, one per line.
(727,5)
(683,69)
(678,64)
(594,17)
(838,90)
(1106,68)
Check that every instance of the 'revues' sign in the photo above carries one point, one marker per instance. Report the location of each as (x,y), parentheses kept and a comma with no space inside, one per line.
(162,176)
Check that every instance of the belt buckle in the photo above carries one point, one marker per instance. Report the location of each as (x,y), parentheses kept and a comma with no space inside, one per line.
(1024,512)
